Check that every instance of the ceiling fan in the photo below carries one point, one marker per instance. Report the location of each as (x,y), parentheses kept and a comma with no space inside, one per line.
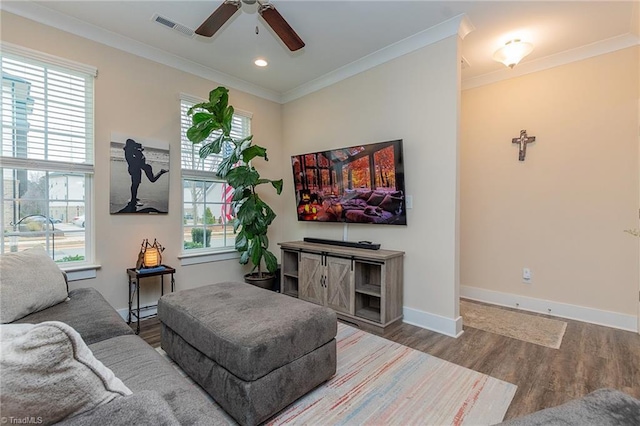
(268,12)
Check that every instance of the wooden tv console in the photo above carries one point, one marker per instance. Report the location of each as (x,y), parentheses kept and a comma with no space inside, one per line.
(363,286)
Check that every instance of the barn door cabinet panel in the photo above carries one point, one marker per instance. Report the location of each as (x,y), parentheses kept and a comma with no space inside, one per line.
(364,287)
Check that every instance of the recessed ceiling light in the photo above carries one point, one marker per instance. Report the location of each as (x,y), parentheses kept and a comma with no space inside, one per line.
(261,62)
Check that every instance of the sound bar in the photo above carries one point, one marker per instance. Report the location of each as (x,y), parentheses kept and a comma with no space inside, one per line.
(360,244)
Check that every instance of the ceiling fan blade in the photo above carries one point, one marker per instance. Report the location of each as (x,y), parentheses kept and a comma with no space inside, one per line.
(281,27)
(217,19)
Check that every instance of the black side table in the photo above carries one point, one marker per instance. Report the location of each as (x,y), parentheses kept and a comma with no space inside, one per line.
(134,290)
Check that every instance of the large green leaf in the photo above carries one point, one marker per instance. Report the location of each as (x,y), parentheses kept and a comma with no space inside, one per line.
(244,258)
(270,260)
(277,184)
(247,211)
(199,117)
(227,120)
(242,176)
(211,148)
(201,131)
(256,253)
(264,240)
(252,152)
(241,193)
(243,144)
(226,165)
(267,213)
(204,105)
(218,94)
(237,224)
(242,243)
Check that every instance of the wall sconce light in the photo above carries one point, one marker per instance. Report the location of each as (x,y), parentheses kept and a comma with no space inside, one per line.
(150,255)
(512,52)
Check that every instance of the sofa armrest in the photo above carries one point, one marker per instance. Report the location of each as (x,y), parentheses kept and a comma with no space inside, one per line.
(144,408)
(603,407)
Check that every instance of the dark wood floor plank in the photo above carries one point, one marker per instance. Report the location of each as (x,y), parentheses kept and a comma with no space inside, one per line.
(590,357)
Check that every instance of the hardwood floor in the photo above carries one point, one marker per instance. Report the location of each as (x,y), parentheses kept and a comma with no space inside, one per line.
(591,357)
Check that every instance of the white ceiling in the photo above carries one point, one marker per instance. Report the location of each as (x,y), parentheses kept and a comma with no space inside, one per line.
(339,34)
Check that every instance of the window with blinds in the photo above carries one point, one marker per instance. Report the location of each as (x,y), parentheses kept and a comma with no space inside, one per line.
(46,153)
(207,213)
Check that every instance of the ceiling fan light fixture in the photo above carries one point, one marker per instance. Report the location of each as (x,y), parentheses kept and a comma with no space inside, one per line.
(261,62)
(513,52)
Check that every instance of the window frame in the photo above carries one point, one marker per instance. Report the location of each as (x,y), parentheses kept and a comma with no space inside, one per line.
(78,269)
(205,254)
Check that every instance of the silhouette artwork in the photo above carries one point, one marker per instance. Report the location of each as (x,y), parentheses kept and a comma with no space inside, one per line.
(137,163)
(142,197)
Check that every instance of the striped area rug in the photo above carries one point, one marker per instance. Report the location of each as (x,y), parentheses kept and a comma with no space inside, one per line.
(379,382)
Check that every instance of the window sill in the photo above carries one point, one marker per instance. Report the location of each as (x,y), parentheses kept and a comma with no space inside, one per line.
(81,272)
(187,259)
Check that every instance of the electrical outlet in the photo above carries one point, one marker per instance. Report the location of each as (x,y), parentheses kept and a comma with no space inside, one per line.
(526,275)
(409,201)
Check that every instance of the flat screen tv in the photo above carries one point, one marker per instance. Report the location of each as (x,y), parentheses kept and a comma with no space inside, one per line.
(357,184)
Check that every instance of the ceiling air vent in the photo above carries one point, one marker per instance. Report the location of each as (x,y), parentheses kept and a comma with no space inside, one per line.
(173,25)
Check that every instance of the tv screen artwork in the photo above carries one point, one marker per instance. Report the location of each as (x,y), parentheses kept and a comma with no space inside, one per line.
(358,184)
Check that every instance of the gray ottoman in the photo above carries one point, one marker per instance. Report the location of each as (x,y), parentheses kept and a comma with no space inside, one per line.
(252,350)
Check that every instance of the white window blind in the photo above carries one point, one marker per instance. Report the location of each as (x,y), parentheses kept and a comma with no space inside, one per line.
(47,115)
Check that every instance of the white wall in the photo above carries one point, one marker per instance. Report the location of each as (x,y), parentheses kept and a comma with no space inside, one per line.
(563,210)
(414,98)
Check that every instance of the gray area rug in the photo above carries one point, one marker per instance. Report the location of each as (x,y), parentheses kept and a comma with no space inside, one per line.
(529,328)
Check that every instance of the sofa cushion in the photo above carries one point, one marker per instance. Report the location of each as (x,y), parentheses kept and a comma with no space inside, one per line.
(31,281)
(245,329)
(88,313)
(145,408)
(48,372)
(142,368)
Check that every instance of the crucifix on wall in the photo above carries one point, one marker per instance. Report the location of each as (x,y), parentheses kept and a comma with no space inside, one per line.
(523,140)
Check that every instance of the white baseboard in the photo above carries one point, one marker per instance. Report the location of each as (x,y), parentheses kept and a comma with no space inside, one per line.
(124,312)
(439,324)
(558,309)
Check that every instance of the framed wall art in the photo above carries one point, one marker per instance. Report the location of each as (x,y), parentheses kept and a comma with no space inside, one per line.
(139,175)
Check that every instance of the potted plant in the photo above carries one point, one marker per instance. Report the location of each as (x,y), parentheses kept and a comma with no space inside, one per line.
(252,215)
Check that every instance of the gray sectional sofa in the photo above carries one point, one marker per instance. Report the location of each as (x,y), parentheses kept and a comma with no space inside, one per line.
(159,395)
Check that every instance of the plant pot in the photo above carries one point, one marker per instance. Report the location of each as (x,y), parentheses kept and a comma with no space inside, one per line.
(267,281)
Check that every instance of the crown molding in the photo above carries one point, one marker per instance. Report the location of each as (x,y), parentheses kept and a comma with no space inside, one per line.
(52,18)
(459,24)
(580,53)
